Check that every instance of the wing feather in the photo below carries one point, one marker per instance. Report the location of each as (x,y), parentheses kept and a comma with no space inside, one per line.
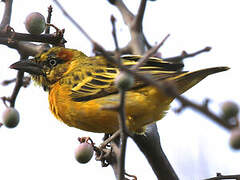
(100,82)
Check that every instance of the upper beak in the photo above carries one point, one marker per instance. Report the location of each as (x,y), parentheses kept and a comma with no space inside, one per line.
(28,66)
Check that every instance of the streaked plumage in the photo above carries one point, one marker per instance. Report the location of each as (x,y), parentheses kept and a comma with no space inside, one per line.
(79,86)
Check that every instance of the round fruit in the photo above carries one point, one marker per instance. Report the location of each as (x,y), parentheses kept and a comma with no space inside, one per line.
(10,117)
(124,81)
(84,152)
(35,23)
(229,109)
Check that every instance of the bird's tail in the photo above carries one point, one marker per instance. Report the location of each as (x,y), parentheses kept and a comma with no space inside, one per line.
(187,80)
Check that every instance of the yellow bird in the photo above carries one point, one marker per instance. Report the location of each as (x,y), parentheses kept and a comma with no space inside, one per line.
(80,86)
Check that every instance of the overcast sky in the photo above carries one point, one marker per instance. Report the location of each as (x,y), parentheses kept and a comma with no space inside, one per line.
(43,148)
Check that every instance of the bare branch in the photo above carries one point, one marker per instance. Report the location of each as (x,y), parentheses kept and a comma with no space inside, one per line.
(27,48)
(114,163)
(44,38)
(201,108)
(137,23)
(47,30)
(7,82)
(108,140)
(150,145)
(185,55)
(149,53)
(220,177)
(123,135)
(113,21)
(73,21)
(137,43)
(7,14)
(18,85)
(126,14)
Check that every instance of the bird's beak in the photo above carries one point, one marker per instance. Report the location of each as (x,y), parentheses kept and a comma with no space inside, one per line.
(28,66)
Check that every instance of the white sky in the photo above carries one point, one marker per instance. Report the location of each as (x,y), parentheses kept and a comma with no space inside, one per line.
(43,148)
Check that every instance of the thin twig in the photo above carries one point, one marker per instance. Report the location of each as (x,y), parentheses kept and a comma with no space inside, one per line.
(149,53)
(123,135)
(185,55)
(113,21)
(7,82)
(73,21)
(108,140)
(220,177)
(4,99)
(187,103)
(26,81)
(47,31)
(122,114)
(18,85)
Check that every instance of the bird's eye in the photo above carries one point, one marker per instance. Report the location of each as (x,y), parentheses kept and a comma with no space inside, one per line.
(52,62)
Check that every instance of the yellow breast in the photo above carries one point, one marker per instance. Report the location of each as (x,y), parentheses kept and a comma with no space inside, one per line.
(143,106)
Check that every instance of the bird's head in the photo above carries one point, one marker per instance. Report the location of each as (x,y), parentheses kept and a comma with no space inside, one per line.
(50,66)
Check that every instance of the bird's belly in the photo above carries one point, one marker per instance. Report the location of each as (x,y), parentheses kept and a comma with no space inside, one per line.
(143,107)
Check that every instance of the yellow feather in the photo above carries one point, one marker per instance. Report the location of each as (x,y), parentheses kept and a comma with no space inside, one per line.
(80,86)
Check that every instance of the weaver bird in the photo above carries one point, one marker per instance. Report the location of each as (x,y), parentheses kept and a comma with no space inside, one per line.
(80,86)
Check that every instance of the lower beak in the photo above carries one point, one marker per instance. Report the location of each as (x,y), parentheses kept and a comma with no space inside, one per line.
(28,66)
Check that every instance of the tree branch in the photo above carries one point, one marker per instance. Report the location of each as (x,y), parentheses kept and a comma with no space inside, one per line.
(220,177)
(44,38)
(6,15)
(149,53)
(137,23)
(150,145)
(47,30)
(123,135)
(18,84)
(184,55)
(125,12)
(114,34)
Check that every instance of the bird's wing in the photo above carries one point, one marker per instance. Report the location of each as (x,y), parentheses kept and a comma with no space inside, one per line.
(99,82)
(155,62)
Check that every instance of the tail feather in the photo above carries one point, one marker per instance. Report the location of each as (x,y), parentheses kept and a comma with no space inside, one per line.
(187,80)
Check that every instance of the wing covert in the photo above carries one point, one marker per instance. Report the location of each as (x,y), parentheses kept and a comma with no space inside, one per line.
(100,81)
